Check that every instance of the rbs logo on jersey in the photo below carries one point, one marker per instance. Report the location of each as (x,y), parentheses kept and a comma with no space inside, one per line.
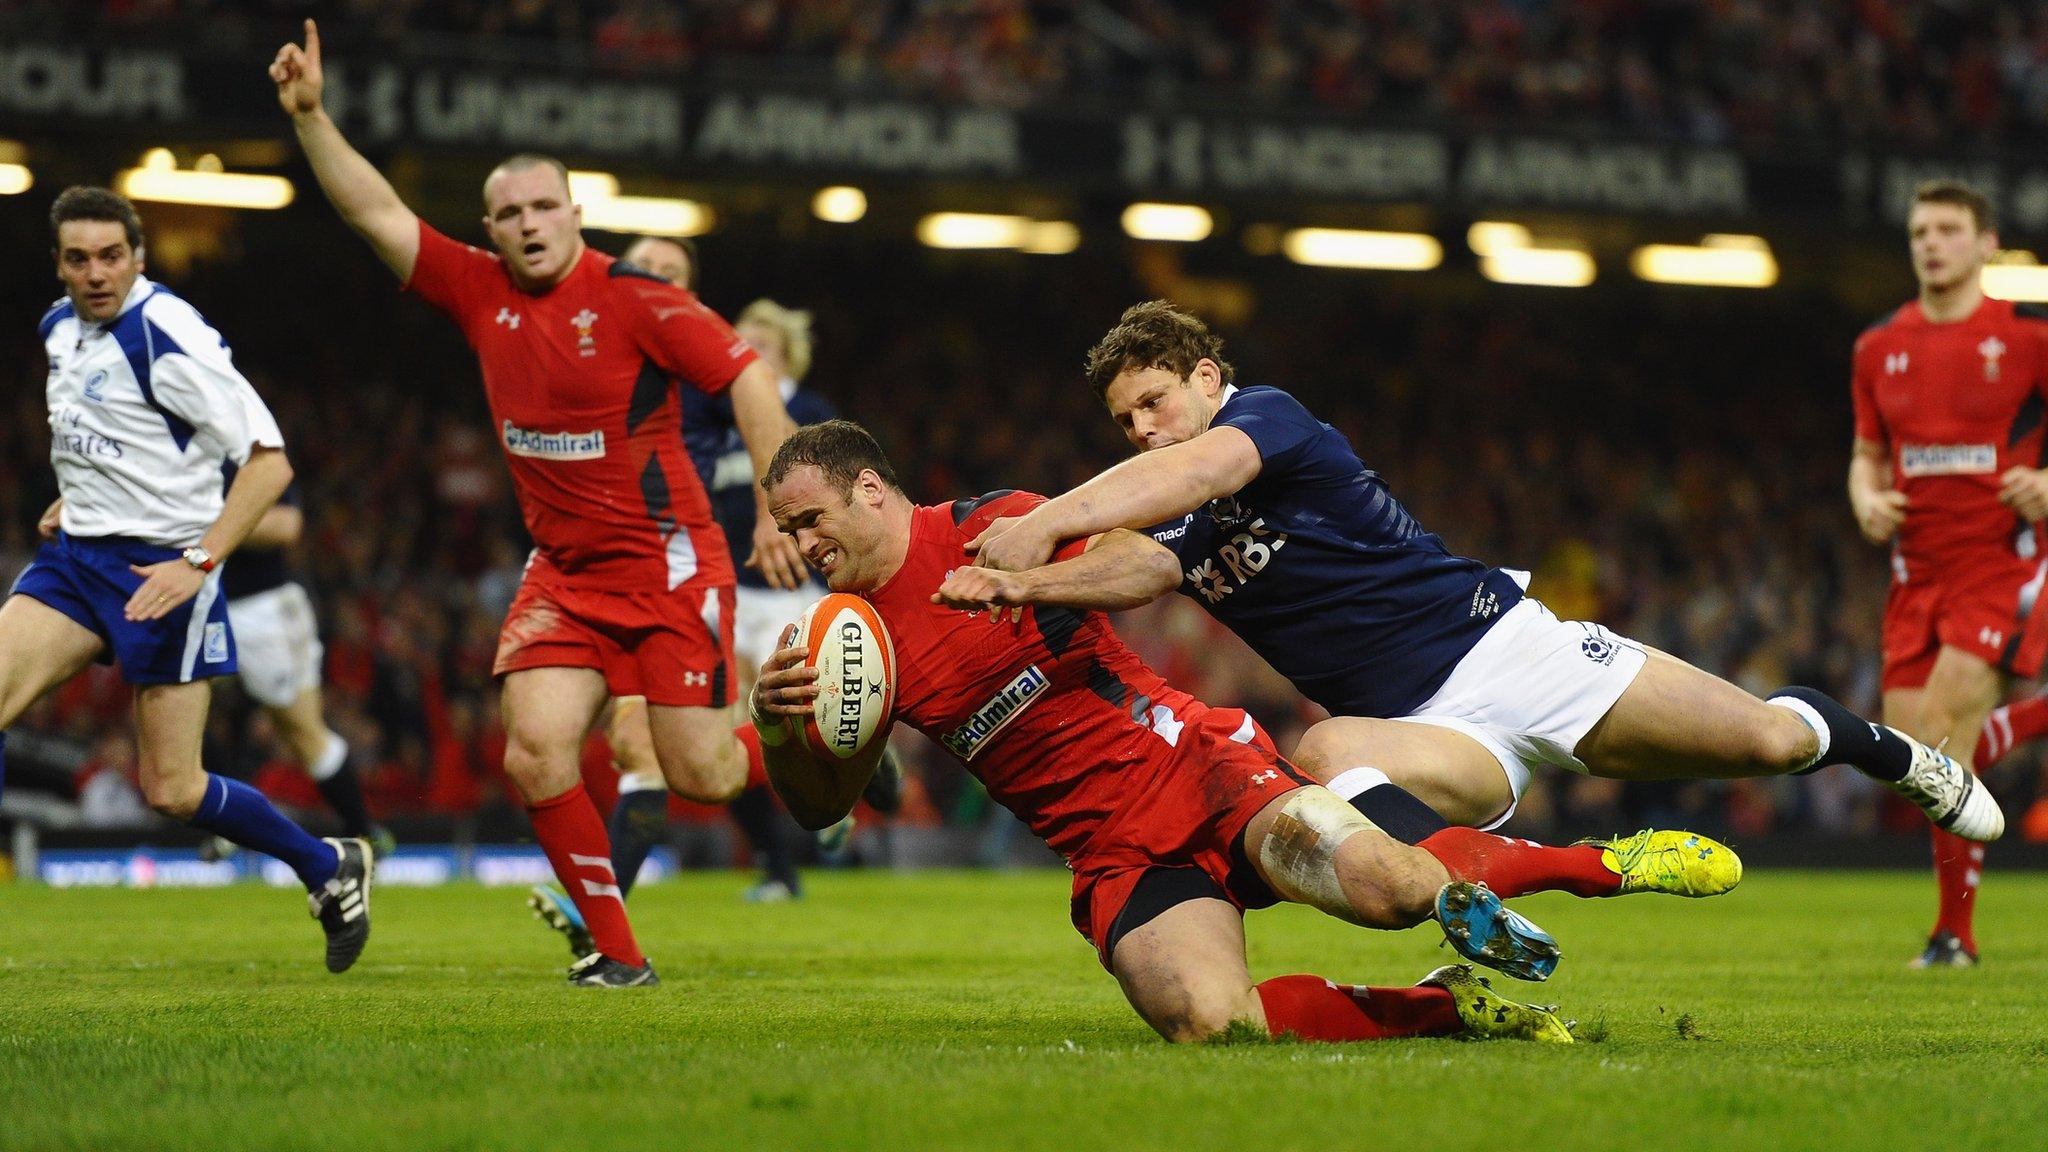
(1245,556)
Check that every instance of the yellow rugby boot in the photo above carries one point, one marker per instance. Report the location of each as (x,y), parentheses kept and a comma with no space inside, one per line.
(1490,1016)
(1678,863)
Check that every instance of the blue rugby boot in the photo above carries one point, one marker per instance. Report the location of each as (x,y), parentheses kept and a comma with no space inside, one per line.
(1486,931)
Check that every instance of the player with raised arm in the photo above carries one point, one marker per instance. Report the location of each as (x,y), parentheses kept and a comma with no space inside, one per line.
(1949,394)
(782,337)
(145,406)
(629,590)
(277,645)
(1173,816)
(1437,670)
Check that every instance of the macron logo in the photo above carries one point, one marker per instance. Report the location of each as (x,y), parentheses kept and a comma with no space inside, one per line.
(553,445)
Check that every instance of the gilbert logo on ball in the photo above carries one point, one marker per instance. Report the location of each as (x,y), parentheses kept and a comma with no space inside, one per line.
(844,639)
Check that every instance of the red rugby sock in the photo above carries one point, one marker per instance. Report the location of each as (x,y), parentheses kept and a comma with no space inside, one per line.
(1958,866)
(574,839)
(2008,727)
(1312,1008)
(750,742)
(1518,867)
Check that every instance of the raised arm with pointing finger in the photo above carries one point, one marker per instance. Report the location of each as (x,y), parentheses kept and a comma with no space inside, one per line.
(352,184)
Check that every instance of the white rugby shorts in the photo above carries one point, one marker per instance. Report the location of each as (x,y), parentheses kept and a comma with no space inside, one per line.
(759,618)
(278,644)
(1532,688)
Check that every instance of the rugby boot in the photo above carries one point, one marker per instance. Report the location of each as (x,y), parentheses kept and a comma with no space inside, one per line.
(1677,863)
(1490,1016)
(1951,795)
(1486,931)
(1945,950)
(554,908)
(598,970)
(342,905)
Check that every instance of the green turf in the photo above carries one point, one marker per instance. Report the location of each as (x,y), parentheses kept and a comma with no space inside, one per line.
(950,1010)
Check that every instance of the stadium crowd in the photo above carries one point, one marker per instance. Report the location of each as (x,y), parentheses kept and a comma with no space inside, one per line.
(1645,455)
(1915,73)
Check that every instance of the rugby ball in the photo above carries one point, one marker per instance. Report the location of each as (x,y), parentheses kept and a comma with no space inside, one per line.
(844,639)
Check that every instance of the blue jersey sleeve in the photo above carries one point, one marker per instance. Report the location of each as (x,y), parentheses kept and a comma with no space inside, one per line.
(1279,426)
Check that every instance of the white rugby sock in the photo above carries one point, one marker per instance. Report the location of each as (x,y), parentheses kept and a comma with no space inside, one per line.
(330,761)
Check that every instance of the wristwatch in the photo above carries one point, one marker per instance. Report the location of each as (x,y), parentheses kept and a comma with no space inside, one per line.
(199,558)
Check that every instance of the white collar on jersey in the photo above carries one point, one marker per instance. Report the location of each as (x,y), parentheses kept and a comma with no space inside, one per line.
(142,289)
(1229,390)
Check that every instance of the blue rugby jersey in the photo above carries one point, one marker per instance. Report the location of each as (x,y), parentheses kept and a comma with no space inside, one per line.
(1323,573)
(715,447)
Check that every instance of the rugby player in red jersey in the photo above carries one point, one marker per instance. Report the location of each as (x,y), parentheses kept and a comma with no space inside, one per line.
(1173,816)
(629,591)
(1950,391)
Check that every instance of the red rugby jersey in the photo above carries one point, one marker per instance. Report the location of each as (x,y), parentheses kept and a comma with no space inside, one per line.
(1957,404)
(1057,717)
(582,381)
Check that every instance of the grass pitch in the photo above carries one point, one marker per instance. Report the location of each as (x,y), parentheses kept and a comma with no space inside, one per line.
(957,1010)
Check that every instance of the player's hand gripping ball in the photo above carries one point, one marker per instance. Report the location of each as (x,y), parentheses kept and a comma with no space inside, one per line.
(844,639)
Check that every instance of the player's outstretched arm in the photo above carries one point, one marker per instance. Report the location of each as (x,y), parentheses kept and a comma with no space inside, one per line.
(1119,571)
(1146,489)
(353,185)
(764,423)
(1879,507)
(817,794)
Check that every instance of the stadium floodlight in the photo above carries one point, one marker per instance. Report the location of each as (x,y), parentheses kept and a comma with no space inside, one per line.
(647,216)
(1486,237)
(1051,238)
(973,230)
(1719,261)
(15,179)
(1542,267)
(159,178)
(839,204)
(1179,222)
(1349,248)
(2017,275)
(588,186)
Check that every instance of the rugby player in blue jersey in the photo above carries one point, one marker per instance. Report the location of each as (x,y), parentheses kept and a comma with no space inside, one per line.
(1439,672)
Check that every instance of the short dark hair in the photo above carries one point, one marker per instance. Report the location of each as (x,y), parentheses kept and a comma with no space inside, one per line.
(1155,334)
(519,160)
(687,243)
(85,202)
(1962,196)
(838,448)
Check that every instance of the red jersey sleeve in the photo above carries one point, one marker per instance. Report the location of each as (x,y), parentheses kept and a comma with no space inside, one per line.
(686,339)
(1863,393)
(446,272)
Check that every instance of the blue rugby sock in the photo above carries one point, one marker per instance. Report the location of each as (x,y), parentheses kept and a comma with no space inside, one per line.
(237,812)
(639,821)
(1845,737)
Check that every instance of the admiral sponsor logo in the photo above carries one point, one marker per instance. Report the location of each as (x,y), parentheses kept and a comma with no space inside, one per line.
(553,445)
(852,684)
(1948,459)
(989,719)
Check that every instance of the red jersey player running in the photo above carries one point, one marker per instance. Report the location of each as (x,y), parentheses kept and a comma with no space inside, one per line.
(629,591)
(1173,816)
(1950,392)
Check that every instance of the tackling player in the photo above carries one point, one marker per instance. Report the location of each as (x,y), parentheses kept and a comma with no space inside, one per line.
(629,590)
(277,645)
(1173,816)
(1949,396)
(1283,534)
(145,405)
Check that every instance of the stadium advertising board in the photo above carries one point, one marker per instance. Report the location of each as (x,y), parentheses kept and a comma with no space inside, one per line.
(762,129)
